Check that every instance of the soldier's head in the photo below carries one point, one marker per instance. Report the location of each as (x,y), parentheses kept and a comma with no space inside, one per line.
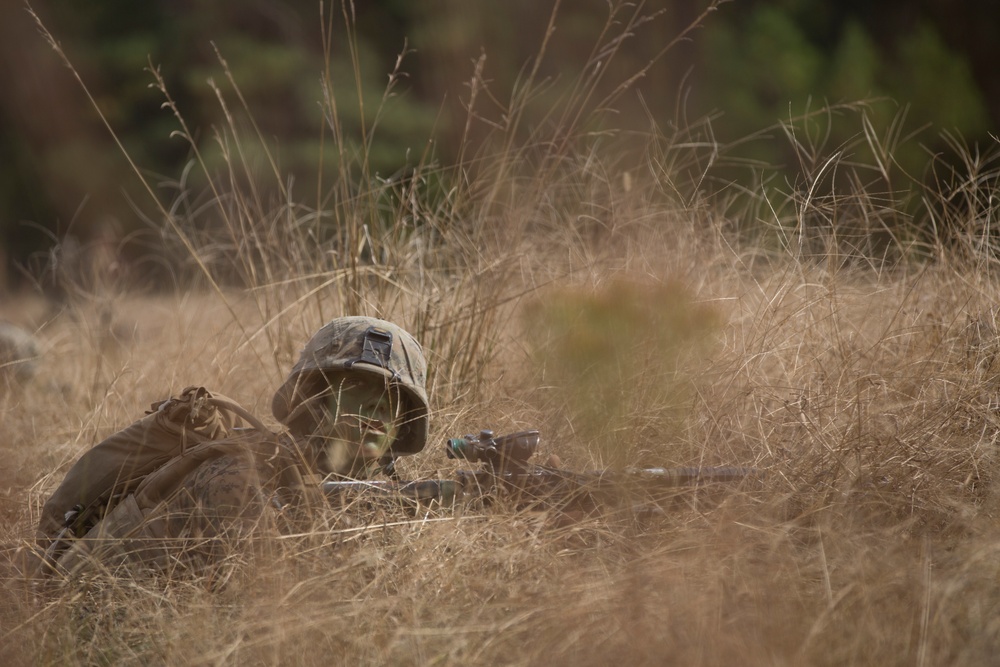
(356,398)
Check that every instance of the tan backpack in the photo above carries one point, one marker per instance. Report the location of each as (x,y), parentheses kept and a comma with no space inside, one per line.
(112,470)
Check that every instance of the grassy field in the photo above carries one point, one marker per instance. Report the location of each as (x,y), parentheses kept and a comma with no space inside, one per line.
(611,300)
(869,397)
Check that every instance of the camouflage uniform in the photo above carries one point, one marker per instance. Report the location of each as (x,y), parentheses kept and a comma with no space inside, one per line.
(178,487)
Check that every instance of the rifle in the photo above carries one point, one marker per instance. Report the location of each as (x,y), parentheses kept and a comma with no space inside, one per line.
(506,472)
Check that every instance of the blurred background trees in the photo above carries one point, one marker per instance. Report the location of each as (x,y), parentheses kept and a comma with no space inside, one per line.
(922,67)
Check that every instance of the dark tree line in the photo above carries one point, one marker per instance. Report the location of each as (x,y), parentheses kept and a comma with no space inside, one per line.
(754,61)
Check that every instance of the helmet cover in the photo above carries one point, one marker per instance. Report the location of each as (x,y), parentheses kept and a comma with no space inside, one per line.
(362,345)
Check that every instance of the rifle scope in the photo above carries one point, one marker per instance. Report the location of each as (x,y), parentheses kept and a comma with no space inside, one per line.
(498,451)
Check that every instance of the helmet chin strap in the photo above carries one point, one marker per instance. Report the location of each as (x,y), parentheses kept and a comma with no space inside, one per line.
(388,466)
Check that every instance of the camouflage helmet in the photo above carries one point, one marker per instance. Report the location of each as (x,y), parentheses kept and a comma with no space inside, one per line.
(362,345)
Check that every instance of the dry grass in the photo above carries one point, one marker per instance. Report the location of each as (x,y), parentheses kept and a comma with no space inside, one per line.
(869,398)
(866,389)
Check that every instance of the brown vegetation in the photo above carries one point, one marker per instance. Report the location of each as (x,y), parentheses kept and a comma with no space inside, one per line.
(862,378)
(870,398)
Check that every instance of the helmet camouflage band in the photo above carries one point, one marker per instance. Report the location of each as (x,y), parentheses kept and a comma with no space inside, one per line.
(362,345)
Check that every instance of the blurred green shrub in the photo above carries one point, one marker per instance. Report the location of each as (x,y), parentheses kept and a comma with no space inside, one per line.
(618,359)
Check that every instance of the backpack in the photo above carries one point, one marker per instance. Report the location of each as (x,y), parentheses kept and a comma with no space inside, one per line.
(113,469)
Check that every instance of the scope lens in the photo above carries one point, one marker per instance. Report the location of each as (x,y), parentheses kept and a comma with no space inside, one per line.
(457,448)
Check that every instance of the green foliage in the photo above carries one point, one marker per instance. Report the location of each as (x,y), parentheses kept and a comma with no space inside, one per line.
(756,62)
(769,66)
(938,83)
(618,358)
(853,65)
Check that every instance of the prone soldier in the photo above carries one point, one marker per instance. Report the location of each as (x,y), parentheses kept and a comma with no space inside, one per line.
(178,486)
